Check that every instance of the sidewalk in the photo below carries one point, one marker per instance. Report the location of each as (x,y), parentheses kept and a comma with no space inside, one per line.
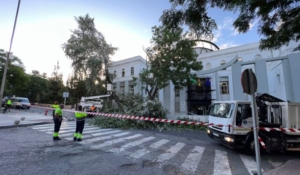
(291,167)
(7,120)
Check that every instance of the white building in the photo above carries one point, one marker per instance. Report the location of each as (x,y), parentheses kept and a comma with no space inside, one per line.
(220,79)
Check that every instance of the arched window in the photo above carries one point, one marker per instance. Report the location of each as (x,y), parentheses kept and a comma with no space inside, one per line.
(132,71)
(208,66)
(257,57)
(123,72)
(115,74)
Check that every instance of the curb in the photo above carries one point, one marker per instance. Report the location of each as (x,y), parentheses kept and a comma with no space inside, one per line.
(24,125)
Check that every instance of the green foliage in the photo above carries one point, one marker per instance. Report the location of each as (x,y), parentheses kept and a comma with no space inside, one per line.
(56,86)
(171,57)
(278,19)
(16,78)
(111,122)
(135,104)
(38,86)
(88,50)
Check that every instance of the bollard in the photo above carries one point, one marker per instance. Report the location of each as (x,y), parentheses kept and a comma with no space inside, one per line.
(17,122)
(46,112)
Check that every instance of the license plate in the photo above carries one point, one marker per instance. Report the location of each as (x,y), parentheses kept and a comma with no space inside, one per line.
(215,134)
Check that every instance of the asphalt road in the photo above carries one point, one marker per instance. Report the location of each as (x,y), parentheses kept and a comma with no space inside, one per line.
(31,150)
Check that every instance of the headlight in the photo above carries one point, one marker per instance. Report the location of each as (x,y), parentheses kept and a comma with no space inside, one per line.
(229,139)
(208,131)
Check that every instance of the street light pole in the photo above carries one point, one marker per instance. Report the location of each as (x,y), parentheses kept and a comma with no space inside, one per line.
(8,54)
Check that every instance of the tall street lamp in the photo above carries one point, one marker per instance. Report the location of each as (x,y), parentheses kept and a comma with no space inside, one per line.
(8,54)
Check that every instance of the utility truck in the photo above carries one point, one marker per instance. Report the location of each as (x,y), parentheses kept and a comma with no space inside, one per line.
(87,102)
(230,123)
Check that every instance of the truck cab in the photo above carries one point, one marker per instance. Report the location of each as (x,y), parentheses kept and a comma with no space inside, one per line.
(231,123)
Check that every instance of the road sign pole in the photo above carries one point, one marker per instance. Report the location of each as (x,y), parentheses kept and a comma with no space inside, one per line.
(255,121)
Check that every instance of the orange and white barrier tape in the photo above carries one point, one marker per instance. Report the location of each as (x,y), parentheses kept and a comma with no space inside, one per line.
(121,116)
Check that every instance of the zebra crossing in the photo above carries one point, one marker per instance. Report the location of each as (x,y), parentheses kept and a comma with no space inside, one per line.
(160,150)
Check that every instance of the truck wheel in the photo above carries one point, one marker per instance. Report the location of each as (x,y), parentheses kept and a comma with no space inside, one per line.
(250,148)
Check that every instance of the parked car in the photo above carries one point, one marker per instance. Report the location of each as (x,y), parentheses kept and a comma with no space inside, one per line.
(20,103)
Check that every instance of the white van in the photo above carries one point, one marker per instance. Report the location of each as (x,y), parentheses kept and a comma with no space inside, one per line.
(20,103)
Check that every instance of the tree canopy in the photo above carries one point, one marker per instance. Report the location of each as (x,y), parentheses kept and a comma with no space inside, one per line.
(89,52)
(279,20)
(171,57)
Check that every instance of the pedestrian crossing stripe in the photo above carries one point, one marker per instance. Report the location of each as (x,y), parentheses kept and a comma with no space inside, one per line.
(110,137)
(67,128)
(192,161)
(170,153)
(87,141)
(221,163)
(111,142)
(139,153)
(131,144)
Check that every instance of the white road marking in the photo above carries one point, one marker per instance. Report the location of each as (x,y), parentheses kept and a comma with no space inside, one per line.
(66,128)
(51,126)
(103,133)
(192,161)
(83,137)
(221,164)
(249,163)
(170,152)
(139,153)
(115,141)
(131,144)
(103,138)
(84,132)
(73,130)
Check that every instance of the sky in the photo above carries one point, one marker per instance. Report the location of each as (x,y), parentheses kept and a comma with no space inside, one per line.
(43,26)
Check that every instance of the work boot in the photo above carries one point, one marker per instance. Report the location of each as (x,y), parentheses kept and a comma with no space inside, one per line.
(56,138)
(75,138)
(79,140)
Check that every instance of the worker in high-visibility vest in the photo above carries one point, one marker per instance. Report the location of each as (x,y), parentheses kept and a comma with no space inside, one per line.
(57,121)
(8,104)
(54,106)
(80,120)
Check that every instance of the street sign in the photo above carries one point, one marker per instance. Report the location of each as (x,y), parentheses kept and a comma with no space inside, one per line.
(249,82)
(66,94)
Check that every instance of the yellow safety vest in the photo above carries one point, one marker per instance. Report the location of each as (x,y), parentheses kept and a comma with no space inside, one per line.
(80,115)
(55,106)
(8,102)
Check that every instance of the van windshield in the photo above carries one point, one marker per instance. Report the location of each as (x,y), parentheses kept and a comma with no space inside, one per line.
(223,110)
(23,100)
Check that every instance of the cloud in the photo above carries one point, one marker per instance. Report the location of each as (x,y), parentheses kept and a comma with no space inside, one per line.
(253,23)
(227,45)
(227,23)
(217,34)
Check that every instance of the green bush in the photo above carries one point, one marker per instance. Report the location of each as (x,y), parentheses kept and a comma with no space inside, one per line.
(136,105)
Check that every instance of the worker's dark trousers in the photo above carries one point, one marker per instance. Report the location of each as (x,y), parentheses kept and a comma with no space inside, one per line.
(57,124)
(79,126)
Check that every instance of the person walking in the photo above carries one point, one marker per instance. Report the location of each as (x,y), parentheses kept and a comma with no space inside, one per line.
(80,120)
(57,121)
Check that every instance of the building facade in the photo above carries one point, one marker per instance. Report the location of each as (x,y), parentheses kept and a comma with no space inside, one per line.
(220,79)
